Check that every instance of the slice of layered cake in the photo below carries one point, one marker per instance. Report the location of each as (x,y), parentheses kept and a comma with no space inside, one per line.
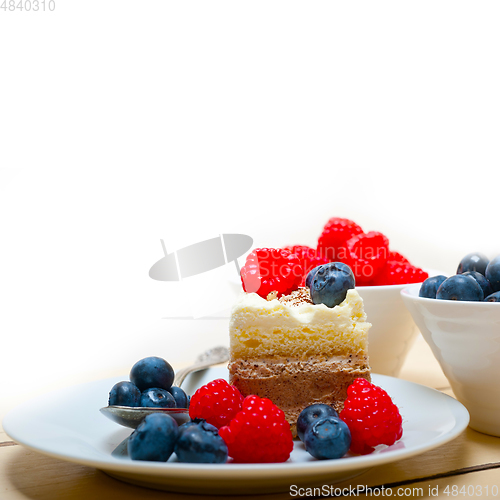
(296,353)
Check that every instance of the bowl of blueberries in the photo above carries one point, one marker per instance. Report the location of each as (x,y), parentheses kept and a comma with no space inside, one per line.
(459,317)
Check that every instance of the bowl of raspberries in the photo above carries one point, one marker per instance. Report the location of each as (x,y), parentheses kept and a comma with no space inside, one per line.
(459,317)
(380,274)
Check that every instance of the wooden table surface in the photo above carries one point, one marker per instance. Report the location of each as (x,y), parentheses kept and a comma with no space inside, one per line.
(467,467)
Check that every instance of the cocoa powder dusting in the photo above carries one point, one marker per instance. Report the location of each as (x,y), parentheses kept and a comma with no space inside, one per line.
(297,297)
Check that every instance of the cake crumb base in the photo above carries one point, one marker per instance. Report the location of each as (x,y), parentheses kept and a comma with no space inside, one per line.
(296,384)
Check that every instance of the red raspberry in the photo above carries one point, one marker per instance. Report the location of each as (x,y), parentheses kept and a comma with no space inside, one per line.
(217,402)
(371,416)
(333,239)
(400,273)
(308,257)
(367,256)
(397,257)
(271,269)
(259,433)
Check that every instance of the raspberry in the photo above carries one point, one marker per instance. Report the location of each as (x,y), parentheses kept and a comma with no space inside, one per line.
(333,239)
(259,433)
(397,257)
(217,403)
(308,257)
(400,273)
(271,269)
(371,416)
(367,256)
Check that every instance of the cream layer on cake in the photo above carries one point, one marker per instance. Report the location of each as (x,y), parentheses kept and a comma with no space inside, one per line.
(297,353)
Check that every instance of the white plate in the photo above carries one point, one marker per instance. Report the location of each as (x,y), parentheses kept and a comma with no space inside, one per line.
(67,425)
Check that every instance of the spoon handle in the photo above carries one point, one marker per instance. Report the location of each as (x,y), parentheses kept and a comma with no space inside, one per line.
(184,372)
(211,357)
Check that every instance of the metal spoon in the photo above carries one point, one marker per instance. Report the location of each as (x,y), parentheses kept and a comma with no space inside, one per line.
(133,416)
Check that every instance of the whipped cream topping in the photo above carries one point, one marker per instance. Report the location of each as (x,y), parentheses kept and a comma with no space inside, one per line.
(293,326)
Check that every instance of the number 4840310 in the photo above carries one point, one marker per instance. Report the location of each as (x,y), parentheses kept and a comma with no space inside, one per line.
(471,491)
(28,5)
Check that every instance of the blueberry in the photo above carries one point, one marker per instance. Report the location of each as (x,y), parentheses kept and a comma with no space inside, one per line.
(493,273)
(181,399)
(327,437)
(199,442)
(475,261)
(152,372)
(482,281)
(430,285)
(311,414)
(154,439)
(196,421)
(460,287)
(494,297)
(124,394)
(157,398)
(330,284)
(193,423)
(310,275)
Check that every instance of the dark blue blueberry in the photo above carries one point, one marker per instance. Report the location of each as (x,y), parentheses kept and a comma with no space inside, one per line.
(199,443)
(494,297)
(483,282)
(152,372)
(327,437)
(475,261)
(157,398)
(493,273)
(194,422)
(124,394)
(430,285)
(330,284)
(460,287)
(310,275)
(181,399)
(311,414)
(154,439)
(187,425)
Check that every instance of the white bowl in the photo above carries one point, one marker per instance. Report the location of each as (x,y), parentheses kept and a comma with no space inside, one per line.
(465,339)
(393,331)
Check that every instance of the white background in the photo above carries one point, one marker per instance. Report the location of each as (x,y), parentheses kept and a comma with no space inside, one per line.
(125,122)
